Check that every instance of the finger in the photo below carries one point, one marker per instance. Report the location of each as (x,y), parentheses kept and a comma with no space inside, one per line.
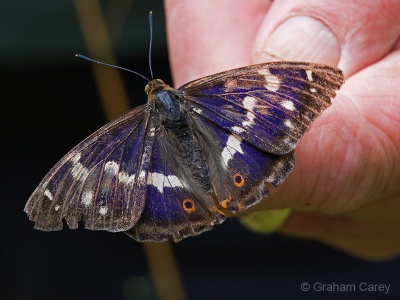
(205,37)
(351,35)
(369,239)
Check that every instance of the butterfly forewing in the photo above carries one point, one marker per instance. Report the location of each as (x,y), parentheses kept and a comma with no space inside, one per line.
(269,105)
(97,181)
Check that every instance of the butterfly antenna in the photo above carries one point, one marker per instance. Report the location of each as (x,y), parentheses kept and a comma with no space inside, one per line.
(151,42)
(110,65)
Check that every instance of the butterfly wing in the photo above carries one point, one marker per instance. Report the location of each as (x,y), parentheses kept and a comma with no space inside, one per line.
(101,181)
(268,105)
(246,168)
(257,115)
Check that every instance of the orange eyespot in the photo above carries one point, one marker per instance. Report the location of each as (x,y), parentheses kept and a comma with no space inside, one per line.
(188,205)
(238,180)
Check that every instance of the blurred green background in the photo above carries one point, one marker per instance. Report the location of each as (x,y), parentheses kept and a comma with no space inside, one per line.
(49,103)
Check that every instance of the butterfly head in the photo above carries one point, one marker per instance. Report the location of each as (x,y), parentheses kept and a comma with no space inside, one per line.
(153,86)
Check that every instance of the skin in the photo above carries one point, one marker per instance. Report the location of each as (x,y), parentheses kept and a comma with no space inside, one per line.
(345,189)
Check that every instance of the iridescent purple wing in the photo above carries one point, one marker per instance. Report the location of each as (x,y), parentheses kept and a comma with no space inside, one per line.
(269,105)
(102,181)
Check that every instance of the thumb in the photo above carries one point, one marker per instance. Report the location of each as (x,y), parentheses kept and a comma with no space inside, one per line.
(350,35)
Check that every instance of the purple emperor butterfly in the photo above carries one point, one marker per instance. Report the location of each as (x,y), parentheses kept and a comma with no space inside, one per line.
(176,166)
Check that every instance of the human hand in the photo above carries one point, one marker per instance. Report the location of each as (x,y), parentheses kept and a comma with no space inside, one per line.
(345,189)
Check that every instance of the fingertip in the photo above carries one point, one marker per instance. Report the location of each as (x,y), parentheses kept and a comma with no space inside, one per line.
(350,35)
(301,38)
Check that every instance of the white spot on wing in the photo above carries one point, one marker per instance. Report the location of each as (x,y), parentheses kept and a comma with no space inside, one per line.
(87,198)
(142,174)
(141,179)
(76,158)
(57,207)
(48,194)
(309,75)
(313,90)
(159,181)
(289,141)
(79,172)
(237,129)
(272,81)
(250,119)
(288,105)
(124,178)
(103,210)
(249,103)
(198,110)
(173,181)
(288,124)
(111,167)
(152,131)
(233,145)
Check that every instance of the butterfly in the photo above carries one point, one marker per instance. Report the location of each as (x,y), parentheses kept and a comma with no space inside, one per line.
(189,157)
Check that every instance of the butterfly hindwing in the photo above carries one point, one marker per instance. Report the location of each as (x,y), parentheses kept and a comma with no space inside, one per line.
(269,105)
(100,181)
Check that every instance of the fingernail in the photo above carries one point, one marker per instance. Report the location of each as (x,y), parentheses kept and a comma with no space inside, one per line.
(301,38)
